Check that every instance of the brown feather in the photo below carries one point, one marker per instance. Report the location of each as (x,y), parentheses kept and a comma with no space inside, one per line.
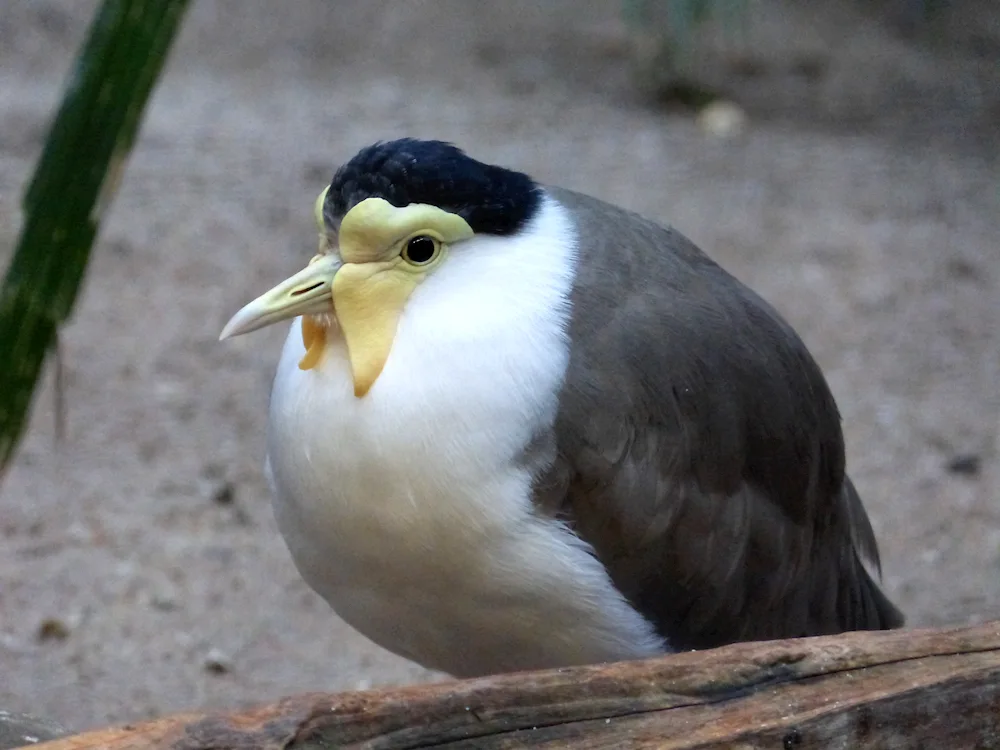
(699,450)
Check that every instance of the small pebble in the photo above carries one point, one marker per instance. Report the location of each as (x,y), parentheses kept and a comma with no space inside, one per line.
(163,602)
(52,629)
(722,118)
(224,494)
(966,465)
(217,662)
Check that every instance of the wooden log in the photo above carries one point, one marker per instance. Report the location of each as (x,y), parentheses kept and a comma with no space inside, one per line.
(899,689)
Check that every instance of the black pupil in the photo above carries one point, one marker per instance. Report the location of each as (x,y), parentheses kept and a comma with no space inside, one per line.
(420,249)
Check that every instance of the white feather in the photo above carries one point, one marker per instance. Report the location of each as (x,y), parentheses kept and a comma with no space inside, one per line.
(407,509)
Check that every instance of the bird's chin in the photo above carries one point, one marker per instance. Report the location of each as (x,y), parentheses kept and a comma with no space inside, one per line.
(327,320)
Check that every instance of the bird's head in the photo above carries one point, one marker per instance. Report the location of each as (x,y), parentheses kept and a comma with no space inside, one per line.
(388,220)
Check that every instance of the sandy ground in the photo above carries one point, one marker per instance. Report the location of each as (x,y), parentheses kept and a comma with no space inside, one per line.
(140,568)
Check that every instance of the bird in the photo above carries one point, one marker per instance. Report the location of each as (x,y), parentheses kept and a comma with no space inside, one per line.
(514,427)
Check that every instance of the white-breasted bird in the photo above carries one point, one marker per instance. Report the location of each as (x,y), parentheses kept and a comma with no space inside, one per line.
(514,427)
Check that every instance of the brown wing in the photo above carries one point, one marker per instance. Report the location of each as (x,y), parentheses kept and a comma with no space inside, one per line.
(699,449)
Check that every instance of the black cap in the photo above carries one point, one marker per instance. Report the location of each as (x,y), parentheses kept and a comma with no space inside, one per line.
(493,200)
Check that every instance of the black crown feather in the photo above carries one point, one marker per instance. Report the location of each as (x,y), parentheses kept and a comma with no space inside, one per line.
(492,199)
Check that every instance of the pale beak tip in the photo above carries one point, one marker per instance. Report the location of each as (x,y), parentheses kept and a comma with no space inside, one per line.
(227,331)
(235,326)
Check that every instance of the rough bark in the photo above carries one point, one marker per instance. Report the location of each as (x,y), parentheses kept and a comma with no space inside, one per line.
(899,689)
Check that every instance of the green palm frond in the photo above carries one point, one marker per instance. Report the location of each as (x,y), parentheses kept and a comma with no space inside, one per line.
(74,182)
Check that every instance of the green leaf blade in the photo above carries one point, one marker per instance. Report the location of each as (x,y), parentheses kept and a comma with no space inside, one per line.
(77,174)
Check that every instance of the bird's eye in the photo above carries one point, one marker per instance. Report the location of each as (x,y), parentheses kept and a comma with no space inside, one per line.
(421,250)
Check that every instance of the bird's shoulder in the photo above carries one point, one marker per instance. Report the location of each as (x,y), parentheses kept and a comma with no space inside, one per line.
(667,346)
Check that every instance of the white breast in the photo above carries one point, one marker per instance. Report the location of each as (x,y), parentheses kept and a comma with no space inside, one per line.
(408,511)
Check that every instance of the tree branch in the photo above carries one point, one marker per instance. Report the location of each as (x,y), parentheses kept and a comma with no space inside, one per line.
(900,689)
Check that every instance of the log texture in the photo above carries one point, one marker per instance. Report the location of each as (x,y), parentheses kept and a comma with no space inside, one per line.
(900,689)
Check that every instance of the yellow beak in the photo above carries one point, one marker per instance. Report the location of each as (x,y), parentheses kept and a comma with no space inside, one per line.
(309,292)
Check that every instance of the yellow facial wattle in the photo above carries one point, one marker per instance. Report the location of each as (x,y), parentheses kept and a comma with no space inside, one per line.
(314,340)
(371,289)
(381,257)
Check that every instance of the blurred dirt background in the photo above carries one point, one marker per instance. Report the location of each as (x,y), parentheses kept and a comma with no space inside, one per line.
(140,569)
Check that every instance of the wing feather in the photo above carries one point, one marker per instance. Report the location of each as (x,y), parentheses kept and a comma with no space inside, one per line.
(699,449)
